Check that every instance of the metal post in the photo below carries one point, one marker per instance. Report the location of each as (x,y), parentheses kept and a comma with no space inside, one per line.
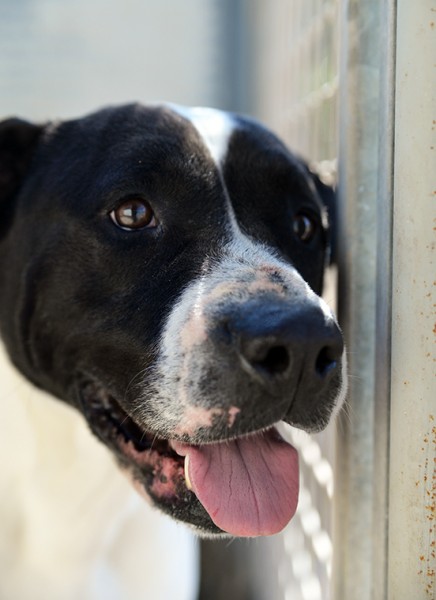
(412,481)
(365,135)
(382,351)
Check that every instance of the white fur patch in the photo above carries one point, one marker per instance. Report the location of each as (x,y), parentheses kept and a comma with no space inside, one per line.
(214,126)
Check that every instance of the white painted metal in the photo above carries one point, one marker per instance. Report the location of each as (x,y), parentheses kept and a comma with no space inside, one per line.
(412,474)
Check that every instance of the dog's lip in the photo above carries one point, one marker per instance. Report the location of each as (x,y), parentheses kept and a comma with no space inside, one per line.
(149,460)
(111,421)
(181,447)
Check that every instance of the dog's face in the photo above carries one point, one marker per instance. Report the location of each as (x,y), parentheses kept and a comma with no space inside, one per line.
(160,271)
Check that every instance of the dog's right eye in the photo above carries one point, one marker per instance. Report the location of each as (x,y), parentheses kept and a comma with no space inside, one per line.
(133,214)
(304,227)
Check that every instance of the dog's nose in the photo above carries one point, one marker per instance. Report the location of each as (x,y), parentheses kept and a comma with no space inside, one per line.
(278,343)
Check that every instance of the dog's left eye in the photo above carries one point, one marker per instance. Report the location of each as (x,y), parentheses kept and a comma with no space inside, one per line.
(133,214)
(304,227)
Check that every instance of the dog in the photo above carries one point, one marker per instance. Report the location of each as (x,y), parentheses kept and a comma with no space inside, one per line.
(161,271)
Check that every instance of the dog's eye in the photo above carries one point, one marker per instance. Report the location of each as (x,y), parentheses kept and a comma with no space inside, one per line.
(134,213)
(304,227)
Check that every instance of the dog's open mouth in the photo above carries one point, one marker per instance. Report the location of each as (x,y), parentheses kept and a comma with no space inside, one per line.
(246,486)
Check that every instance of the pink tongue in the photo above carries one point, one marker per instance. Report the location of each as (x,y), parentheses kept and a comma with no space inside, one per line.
(248,486)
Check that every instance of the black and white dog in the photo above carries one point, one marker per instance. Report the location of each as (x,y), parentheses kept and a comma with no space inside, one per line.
(160,270)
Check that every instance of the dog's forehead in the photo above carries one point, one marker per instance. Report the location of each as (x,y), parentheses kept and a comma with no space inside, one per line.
(247,146)
(171,140)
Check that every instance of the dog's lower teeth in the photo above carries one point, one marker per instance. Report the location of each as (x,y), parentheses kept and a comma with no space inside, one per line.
(187,480)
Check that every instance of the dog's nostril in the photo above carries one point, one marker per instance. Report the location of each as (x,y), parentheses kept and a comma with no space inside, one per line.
(275,361)
(325,361)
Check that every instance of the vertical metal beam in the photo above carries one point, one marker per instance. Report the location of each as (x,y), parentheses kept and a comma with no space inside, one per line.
(382,351)
(412,481)
(364,298)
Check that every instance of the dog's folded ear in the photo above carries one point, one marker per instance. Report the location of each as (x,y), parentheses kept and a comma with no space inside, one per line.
(18,140)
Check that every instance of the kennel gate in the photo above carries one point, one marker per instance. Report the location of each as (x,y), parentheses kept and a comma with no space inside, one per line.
(357,80)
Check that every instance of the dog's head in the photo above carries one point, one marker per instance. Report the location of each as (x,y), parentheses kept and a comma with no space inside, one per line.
(160,270)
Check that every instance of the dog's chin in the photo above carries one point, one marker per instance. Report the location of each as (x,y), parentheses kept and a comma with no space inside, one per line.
(150,461)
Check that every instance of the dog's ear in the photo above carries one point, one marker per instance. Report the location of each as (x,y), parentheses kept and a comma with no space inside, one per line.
(18,140)
(327,193)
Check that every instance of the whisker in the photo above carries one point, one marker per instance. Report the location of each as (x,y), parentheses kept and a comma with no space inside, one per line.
(152,443)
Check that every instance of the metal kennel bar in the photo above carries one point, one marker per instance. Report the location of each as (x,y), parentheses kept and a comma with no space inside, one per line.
(366,146)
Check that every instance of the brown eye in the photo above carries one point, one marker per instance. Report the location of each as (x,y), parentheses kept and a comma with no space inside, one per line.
(134,213)
(304,227)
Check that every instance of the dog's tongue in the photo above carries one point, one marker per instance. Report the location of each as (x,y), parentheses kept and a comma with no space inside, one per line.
(249,486)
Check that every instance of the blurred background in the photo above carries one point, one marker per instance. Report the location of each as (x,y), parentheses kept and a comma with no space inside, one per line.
(63,58)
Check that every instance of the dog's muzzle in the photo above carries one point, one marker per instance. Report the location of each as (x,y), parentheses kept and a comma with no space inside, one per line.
(239,355)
